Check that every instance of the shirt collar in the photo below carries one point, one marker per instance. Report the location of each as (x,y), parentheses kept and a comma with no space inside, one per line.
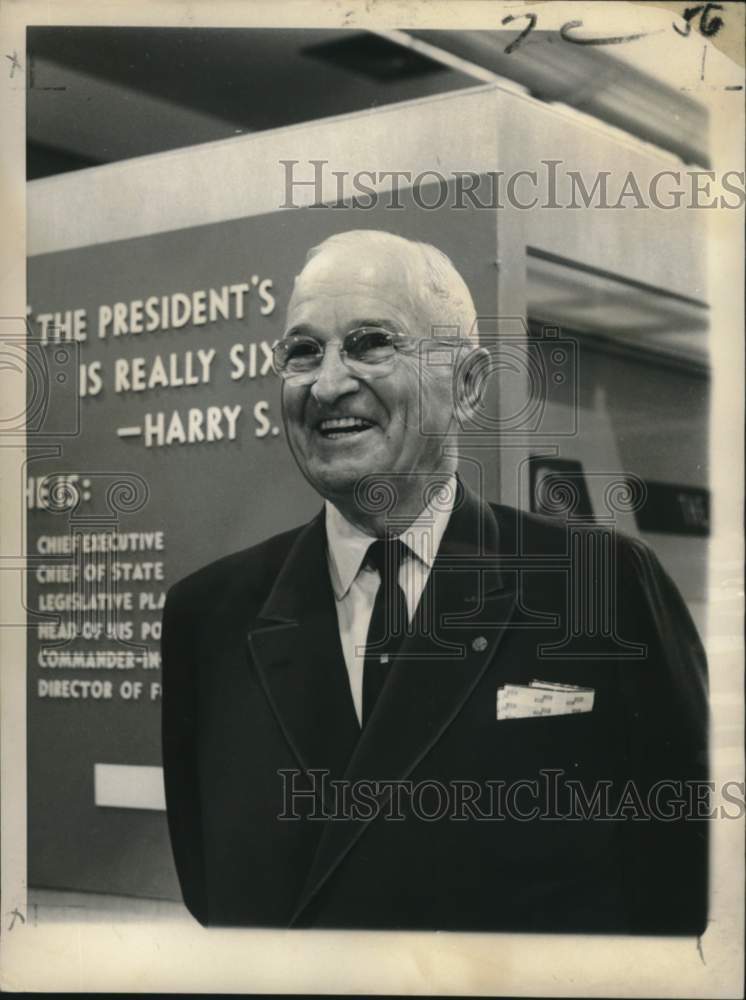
(348,544)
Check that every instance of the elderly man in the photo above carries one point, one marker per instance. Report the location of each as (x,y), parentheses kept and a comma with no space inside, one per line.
(379,720)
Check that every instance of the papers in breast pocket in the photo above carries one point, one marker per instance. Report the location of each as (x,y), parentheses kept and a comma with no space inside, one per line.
(517,701)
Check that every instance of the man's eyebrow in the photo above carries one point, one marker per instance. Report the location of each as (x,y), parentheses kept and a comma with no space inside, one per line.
(299,328)
(308,330)
(381,324)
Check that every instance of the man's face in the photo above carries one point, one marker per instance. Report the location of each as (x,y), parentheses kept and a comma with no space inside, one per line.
(340,291)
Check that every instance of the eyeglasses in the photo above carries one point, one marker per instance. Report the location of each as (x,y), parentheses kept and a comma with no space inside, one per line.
(369,353)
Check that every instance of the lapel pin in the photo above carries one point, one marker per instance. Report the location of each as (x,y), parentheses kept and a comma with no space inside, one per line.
(384,658)
(479,644)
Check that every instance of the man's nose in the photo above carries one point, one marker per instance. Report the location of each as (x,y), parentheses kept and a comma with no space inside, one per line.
(335,378)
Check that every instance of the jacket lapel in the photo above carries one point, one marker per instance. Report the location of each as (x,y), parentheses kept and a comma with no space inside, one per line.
(297,652)
(460,621)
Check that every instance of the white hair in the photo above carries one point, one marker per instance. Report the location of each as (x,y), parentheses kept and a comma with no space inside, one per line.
(432,277)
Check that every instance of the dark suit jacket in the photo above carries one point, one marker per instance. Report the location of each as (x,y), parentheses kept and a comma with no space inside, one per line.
(255,684)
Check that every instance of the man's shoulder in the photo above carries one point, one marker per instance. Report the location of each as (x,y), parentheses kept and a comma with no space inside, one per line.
(251,571)
(520,529)
(529,533)
(523,531)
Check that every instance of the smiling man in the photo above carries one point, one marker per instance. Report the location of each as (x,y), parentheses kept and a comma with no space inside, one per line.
(364,304)
(379,719)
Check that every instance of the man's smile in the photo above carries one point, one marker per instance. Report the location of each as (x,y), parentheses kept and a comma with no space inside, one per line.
(348,428)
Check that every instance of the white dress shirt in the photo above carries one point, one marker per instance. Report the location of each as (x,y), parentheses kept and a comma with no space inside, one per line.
(355,584)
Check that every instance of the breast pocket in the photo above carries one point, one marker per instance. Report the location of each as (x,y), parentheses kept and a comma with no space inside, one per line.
(582,741)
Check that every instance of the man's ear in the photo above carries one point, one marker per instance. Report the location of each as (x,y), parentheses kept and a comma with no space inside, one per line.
(471,381)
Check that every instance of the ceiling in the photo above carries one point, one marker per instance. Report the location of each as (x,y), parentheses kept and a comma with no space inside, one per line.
(100,94)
